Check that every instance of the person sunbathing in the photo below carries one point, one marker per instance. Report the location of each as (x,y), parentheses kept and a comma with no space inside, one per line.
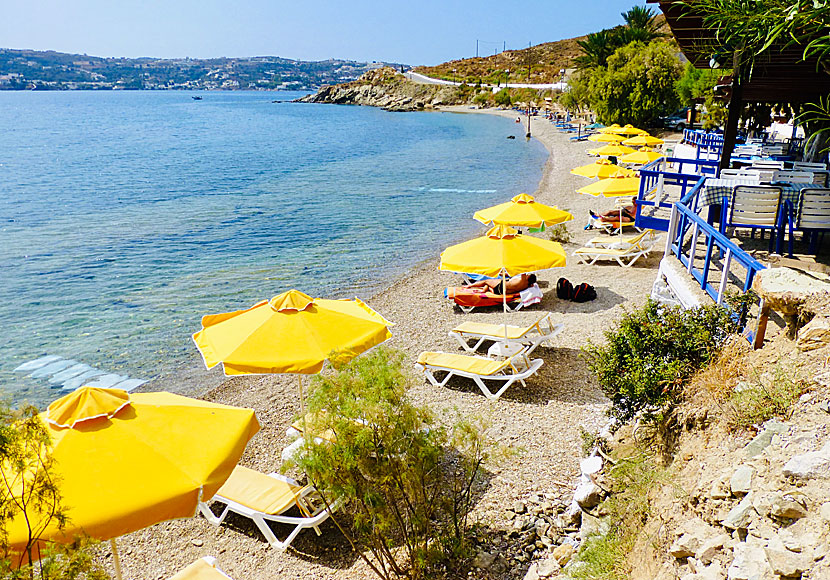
(624,215)
(514,284)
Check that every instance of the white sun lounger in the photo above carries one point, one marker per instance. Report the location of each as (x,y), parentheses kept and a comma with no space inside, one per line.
(479,369)
(531,336)
(625,255)
(204,568)
(264,498)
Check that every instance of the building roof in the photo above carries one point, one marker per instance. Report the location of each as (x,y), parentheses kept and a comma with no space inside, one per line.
(779,75)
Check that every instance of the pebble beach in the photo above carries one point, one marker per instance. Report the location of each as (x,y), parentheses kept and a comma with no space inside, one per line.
(539,423)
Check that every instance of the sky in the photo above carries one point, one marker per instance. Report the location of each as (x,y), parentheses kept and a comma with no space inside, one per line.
(410,32)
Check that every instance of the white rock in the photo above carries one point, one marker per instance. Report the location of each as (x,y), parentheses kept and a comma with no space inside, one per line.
(708,549)
(815,464)
(591,465)
(789,540)
(587,494)
(532,574)
(787,506)
(685,546)
(741,481)
(547,567)
(740,516)
(786,563)
(825,511)
(750,563)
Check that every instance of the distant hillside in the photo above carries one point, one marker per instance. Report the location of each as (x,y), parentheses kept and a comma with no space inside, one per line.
(49,70)
(544,61)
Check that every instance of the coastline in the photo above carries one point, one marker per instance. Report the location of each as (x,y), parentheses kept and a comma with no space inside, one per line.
(540,423)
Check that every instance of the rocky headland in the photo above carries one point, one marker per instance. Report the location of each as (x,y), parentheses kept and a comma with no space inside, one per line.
(389,90)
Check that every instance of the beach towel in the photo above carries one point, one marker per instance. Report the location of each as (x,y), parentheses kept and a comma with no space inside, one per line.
(474,297)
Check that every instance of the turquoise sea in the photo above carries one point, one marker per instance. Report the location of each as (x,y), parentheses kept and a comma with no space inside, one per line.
(126,216)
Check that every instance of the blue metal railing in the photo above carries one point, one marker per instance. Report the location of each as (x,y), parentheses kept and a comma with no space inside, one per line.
(684,232)
(707,144)
(655,176)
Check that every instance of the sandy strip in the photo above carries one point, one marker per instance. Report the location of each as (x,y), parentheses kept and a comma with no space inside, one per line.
(541,422)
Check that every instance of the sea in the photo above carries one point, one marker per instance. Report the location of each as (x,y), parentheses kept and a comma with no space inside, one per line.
(125,216)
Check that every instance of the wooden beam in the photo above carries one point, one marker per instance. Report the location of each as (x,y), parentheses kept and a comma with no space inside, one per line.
(730,132)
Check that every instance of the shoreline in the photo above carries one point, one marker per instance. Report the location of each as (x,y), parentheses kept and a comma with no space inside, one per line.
(540,423)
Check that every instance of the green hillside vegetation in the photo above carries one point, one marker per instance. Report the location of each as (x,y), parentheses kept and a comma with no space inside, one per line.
(537,64)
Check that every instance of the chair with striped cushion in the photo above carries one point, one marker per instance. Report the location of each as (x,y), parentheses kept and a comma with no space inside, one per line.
(755,207)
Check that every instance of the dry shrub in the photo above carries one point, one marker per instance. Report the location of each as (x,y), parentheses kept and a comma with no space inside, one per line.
(715,383)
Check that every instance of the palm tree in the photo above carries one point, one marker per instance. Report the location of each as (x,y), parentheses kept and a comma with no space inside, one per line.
(596,48)
(642,22)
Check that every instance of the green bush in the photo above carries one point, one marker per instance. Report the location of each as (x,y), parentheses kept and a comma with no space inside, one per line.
(560,233)
(503,98)
(406,482)
(653,351)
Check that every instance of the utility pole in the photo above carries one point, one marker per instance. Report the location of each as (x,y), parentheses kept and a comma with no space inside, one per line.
(476,47)
(504,45)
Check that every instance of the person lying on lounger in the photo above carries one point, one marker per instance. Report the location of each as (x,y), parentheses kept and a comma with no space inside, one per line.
(514,284)
(627,213)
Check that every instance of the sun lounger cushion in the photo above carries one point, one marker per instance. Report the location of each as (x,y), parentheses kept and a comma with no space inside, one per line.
(460,362)
(485,329)
(201,569)
(258,491)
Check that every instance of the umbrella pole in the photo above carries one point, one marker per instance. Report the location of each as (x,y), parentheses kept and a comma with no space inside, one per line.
(504,300)
(115,559)
(302,408)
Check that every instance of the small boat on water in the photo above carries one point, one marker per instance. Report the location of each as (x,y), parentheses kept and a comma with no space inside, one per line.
(196,98)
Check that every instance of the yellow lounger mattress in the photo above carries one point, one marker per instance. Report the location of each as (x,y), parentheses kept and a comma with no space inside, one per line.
(459,362)
(258,491)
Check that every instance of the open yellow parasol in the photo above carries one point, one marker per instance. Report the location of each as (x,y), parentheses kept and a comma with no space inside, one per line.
(611,150)
(291,333)
(603,169)
(642,156)
(522,211)
(610,128)
(628,129)
(612,187)
(504,252)
(642,141)
(606,138)
(125,462)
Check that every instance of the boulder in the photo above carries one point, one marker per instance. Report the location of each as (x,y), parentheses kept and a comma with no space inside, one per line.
(708,549)
(789,507)
(685,546)
(563,553)
(815,334)
(812,465)
(484,560)
(764,438)
(749,563)
(786,290)
(740,516)
(587,494)
(548,567)
(786,563)
(741,481)
(532,573)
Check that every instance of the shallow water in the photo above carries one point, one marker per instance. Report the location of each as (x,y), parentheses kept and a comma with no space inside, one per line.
(126,216)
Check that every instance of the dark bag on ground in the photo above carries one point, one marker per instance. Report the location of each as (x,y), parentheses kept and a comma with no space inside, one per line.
(564,289)
(583,293)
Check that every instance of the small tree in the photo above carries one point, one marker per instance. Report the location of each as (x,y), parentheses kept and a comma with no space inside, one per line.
(407,483)
(639,84)
(29,490)
(503,98)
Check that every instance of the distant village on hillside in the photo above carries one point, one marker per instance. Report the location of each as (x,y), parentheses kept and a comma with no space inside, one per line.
(49,70)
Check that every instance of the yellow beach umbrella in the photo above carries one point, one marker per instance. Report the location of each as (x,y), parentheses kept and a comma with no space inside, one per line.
(642,141)
(610,128)
(502,251)
(606,138)
(612,187)
(642,156)
(522,211)
(291,333)
(611,150)
(629,129)
(603,169)
(125,462)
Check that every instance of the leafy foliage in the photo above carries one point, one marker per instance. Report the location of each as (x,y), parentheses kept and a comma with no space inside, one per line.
(653,351)
(407,483)
(596,48)
(637,86)
(30,490)
(641,25)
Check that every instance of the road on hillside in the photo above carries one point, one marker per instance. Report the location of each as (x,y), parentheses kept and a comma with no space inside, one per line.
(425,80)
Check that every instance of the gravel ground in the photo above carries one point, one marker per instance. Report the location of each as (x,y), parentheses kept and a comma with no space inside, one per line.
(540,422)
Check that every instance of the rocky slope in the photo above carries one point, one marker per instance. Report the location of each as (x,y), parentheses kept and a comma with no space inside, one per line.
(389,90)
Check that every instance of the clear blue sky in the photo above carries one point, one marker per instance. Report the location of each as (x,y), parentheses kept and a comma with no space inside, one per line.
(412,32)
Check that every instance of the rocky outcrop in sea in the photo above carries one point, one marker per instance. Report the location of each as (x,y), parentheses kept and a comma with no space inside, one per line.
(389,90)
